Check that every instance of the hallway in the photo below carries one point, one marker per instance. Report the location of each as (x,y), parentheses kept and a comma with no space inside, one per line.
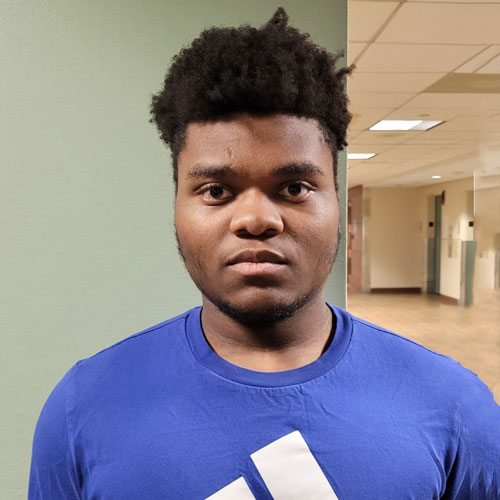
(471,335)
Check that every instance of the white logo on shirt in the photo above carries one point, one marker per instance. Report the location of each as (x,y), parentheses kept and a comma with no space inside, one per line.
(289,470)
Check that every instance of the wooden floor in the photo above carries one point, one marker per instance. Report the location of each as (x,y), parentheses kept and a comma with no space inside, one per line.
(471,335)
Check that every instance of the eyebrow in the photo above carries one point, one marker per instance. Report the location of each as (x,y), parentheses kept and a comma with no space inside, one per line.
(200,171)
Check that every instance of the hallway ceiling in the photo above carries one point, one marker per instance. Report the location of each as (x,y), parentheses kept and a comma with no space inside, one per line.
(424,60)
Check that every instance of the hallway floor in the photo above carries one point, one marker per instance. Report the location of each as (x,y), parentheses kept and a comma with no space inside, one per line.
(471,335)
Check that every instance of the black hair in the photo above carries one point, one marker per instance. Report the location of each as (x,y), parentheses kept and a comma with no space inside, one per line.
(274,69)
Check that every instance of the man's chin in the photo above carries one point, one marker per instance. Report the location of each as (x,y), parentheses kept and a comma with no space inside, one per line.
(260,313)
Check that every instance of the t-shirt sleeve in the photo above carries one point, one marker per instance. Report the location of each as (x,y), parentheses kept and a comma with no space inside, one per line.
(475,474)
(53,473)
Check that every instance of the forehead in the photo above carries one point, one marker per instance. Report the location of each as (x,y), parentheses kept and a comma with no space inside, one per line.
(264,140)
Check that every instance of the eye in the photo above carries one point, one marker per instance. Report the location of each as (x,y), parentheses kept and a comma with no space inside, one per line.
(298,190)
(214,192)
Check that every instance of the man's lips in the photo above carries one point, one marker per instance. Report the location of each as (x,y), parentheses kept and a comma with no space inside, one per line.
(257,262)
(256,256)
(257,268)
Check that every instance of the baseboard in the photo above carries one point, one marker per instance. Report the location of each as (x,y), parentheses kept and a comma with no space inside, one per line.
(395,290)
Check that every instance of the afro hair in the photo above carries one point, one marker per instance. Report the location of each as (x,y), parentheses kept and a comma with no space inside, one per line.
(274,69)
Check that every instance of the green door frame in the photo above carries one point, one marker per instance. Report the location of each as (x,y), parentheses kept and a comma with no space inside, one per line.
(437,243)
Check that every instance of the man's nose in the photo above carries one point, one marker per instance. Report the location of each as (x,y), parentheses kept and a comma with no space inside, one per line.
(255,215)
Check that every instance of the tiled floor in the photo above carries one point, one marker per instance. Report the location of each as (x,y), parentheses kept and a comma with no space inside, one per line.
(471,335)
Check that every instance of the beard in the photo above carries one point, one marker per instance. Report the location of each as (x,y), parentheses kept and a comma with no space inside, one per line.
(263,317)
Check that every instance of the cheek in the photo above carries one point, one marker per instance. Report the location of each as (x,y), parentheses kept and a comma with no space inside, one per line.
(197,232)
(321,229)
(321,239)
(187,234)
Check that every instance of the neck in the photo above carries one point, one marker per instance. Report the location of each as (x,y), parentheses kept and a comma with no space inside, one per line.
(283,345)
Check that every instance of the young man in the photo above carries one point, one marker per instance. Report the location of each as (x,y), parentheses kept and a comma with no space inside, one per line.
(266,391)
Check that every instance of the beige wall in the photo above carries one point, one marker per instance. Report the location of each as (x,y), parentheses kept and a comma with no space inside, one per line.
(397,227)
(395,249)
(487,222)
(484,272)
(88,250)
(456,214)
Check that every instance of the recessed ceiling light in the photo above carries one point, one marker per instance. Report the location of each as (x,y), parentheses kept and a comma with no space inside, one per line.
(436,177)
(360,156)
(405,125)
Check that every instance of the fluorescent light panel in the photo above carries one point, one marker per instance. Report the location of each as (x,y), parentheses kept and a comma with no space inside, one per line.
(405,124)
(360,156)
(436,177)
(426,125)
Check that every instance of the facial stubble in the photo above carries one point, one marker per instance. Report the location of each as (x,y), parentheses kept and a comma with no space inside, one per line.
(263,317)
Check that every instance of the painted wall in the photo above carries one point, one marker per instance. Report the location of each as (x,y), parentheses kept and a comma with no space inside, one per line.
(395,238)
(89,253)
(397,226)
(457,211)
(484,272)
(487,230)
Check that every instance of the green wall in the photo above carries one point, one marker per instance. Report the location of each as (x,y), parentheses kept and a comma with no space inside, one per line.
(88,249)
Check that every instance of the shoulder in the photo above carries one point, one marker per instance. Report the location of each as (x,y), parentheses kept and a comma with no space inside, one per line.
(392,343)
(399,347)
(426,378)
(422,370)
(165,334)
(129,361)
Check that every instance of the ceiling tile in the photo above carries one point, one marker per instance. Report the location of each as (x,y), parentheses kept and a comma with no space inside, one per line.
(480,103)
(409,152)
(351,135)
(411,58)
(459,136)
(429,140)
(423,114)
(385,138)
(444,23)
(479,60)
(437,136)
(379,100)
(391,82)
(366,18)
(364,118)
(412,113)
(446,154)
(391,171)
(466,83)
(417,173)
(367,148)
(353,51)
(492,67)
(422,42)
(363,174)
(468,123)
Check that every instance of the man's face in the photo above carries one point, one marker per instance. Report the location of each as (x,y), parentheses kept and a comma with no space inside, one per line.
(257,184)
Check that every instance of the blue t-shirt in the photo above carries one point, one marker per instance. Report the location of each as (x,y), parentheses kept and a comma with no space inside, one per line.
(161,416)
